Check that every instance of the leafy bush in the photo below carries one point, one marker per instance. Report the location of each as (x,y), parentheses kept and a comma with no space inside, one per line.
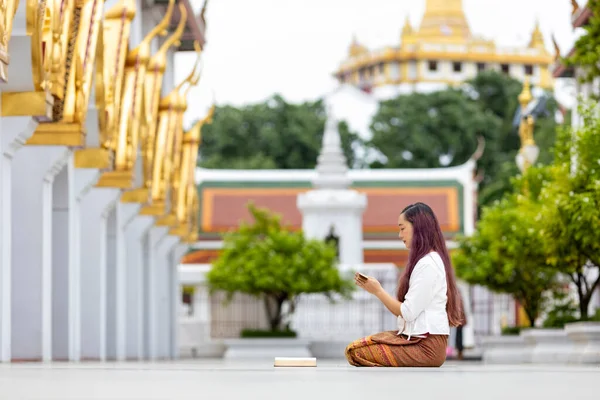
(511,331)
(269,261)
(564,311)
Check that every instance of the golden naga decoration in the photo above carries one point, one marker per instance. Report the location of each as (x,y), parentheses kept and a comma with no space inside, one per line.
(111,52)
(173,178)
(130,110)
(170,179)
(168,140)
(187,183)
(193,216)
(8,8)
(47,27)
(152,88)
(73,88)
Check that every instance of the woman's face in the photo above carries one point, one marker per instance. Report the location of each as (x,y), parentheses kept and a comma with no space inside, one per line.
(405,231)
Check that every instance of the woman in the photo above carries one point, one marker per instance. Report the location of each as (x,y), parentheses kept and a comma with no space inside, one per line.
(426,305)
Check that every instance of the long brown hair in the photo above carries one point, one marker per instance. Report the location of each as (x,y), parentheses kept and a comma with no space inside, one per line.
(427,236)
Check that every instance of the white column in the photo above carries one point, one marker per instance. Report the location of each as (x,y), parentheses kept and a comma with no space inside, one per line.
(13,134)
(156,236)
(165,293)
(95,208)
(62,279)
(14,131)
(34,171)
(111,286)
(135,232)
(117,279)
(176,298)
(146,308)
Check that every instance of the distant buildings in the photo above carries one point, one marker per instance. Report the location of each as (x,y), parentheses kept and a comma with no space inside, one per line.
(442,52)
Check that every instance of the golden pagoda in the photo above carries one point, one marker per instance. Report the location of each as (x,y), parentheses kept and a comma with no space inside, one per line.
(442,52)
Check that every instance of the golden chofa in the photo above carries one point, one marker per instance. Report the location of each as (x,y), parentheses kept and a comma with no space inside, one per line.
(49,30)
(130,110)
(168,141)
(172,169)
(187,185)
(82,20)
(188,231)
(111,53)
(194,216)
(152,89)
(8,8)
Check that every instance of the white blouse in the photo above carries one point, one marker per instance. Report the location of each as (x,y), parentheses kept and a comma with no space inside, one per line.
(424,307)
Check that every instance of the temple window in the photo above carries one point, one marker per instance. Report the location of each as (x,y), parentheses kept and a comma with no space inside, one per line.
(457,66)
(528,69)
(381,68)
(433,65)
(480,67)
(505,68)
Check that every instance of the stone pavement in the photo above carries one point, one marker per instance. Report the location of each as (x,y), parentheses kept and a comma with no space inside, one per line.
(216,379)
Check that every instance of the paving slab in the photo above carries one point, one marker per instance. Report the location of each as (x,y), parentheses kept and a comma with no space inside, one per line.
(218,379)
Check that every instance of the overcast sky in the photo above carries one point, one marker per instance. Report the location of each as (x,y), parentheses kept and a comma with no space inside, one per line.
(259,47)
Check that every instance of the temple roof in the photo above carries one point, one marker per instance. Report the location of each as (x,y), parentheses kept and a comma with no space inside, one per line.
(225,194)
(444,34)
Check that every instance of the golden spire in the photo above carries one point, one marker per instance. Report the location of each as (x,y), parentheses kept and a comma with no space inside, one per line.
(443,20)
(356,49)
(537,38)
(407,29)
(408,32)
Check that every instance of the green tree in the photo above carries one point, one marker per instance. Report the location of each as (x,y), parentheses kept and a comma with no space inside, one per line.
(265,259)
(273,134)
(570,218)
(507,253)
(429,130)
(441,128)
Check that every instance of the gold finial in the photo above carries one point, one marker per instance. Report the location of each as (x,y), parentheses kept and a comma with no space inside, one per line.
(556,48)
(192,78)
(525,96)
(195,133)
(176,36)
(161,28)
(526,126)
(203,11)
(575,6)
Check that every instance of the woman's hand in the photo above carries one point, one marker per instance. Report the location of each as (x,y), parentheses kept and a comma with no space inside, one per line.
(371,284)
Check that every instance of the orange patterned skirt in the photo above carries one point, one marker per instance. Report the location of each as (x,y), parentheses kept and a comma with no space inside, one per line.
(387,349)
